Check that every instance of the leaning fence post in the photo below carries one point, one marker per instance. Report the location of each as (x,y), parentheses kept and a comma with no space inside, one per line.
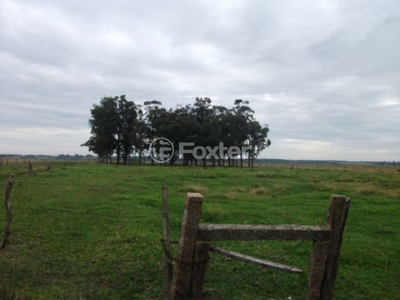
(9,215)
(336,221)
(166,246)
(187,245)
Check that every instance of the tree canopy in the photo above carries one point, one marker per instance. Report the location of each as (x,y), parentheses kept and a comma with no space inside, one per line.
(120,127)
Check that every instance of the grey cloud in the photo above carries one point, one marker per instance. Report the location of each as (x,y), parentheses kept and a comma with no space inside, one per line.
(323,75)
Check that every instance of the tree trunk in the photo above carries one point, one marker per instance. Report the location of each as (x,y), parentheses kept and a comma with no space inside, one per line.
(140,156)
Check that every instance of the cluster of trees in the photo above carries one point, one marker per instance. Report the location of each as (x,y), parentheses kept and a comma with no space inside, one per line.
(120,127)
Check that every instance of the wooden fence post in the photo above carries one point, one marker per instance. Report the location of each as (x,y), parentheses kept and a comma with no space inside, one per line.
(166,246)
(201,258)
(319,254)
(9,215)
(336,221)
(187,245)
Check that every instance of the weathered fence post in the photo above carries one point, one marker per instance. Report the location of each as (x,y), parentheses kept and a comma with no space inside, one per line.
(201,258)
(336,221)
(319,254)
(182,278)
(9,215)
(166,246)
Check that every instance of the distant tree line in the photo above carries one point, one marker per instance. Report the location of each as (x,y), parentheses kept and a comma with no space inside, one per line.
(56,157)
(120,128)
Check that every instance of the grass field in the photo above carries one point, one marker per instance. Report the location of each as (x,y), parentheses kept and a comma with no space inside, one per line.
(92,231)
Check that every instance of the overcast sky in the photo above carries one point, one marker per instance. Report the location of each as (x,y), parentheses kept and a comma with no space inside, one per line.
(324,75)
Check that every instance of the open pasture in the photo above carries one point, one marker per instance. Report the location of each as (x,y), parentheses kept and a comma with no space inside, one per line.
(92,231)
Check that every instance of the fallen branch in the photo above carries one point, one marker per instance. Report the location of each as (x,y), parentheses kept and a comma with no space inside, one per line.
(9,215)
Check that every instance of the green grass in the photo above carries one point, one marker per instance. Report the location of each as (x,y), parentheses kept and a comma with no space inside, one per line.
(92,231)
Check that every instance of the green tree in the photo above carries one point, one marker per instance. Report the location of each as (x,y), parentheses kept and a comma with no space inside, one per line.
(177,125)
(103,123)
(143,133)
(121,127)
(126,122)
(223,131)
(112,125)
(242,117)
(257,141)
(203,113)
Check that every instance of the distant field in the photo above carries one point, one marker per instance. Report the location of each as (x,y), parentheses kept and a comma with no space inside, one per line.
(92,231)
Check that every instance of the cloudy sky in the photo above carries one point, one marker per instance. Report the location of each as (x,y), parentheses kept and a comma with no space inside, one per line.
(324,75)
